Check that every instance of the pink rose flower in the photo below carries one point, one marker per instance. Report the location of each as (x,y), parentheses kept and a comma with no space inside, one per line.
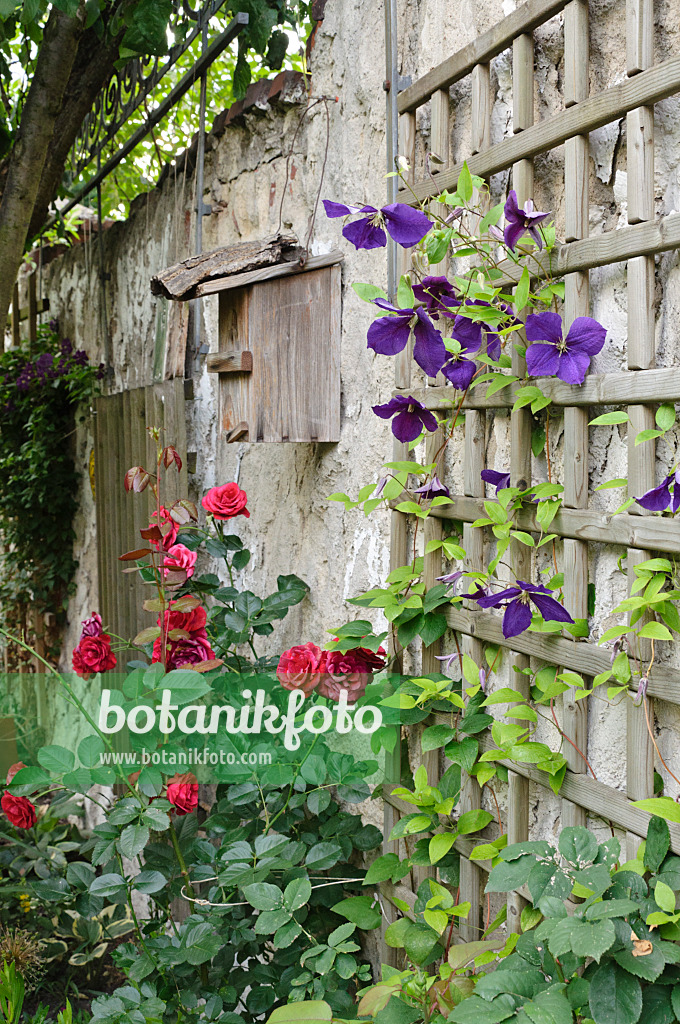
(179,557)
(300,668)
(226,502)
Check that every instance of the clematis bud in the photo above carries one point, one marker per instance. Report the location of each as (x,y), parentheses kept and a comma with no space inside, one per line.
(641,692)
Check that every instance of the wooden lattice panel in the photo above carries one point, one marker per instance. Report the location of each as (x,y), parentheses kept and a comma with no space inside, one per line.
(639,388)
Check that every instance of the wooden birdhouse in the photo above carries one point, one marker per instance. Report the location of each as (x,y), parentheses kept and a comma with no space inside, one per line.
(278,347)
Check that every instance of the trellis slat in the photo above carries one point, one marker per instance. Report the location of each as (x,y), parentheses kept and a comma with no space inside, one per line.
(575,554)
(473,540)
(616,389)
(641,356)
(588,658)
(398,544)
(651,533)
(520,446)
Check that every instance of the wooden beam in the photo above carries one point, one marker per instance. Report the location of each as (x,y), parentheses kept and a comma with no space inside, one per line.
(609,105)
(223,284)
(24,312)
(232,361)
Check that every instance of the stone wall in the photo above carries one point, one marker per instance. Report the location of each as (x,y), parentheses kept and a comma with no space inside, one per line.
(292,527)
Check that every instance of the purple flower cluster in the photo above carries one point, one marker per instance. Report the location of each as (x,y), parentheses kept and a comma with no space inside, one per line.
(48,366)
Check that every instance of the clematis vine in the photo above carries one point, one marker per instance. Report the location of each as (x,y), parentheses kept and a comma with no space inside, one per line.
(521,220)
(567,358)
(404,224)
(410,417)
(516,601)
(658,499)
(388,335)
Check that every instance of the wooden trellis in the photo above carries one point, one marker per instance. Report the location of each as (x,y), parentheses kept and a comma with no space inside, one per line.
(640,388)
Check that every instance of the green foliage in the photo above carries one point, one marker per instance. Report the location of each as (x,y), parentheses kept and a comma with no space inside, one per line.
(271,923)
(40,392)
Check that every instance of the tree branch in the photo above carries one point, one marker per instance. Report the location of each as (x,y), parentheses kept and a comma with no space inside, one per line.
(59,47)
(92,68)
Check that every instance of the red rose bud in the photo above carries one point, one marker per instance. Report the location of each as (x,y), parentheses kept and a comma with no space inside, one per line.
(226,502)
(182,792)
(93,654)
(13,769)
(92,626)
(167,527)
(301,667)
(18,810)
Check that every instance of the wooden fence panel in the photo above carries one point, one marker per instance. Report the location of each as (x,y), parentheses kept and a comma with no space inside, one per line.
(121,441)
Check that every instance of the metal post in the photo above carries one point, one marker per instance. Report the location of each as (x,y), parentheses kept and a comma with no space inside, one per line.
(103,277)
(392,133)
(201,208)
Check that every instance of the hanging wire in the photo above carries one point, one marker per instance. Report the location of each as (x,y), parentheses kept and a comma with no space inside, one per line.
(213,878)
(310,106)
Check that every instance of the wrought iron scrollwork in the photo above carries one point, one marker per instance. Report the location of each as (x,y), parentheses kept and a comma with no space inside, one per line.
(128,87)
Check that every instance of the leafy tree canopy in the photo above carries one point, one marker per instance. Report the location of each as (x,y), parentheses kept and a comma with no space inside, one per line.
(56,57)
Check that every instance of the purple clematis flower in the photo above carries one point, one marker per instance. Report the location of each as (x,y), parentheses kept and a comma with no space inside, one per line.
(567,358)
(434,489)
(516,599)
(409,417)
(460,370)
(403,223)
(496,479)
(519,221)
(434,291)
(390,334)
(659,498)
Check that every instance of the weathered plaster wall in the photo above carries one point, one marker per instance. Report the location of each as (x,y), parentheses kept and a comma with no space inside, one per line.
(292,527)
